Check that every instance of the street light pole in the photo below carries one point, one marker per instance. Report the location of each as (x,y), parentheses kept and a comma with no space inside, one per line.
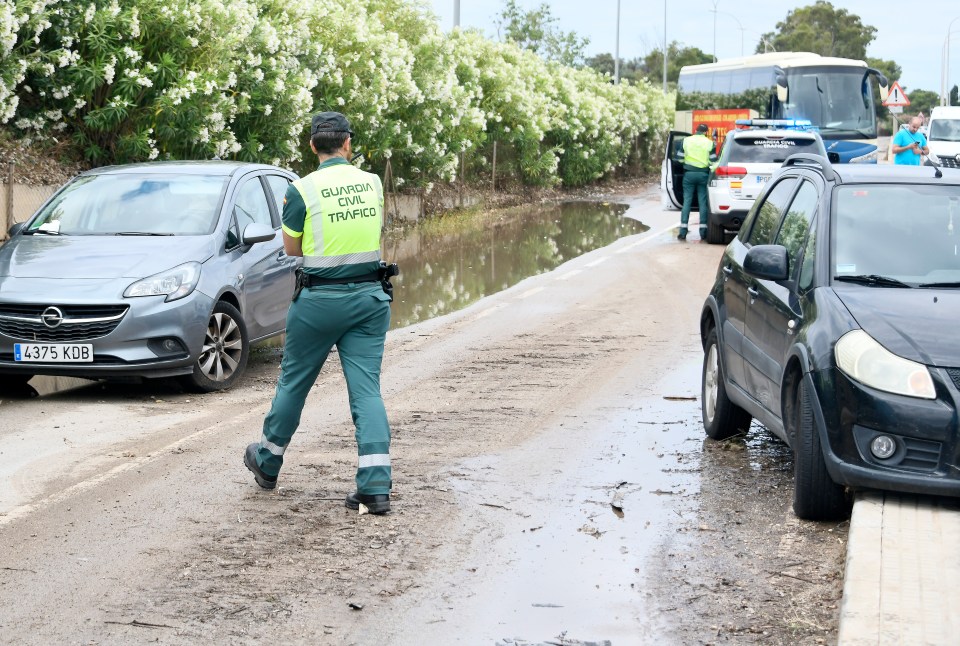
(945,66)
(715,30)
(664,46)
(616,55)
(726,13)
(456,13)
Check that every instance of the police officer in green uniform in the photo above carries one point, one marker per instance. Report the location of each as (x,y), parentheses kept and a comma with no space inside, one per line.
(333,219)
(697,155)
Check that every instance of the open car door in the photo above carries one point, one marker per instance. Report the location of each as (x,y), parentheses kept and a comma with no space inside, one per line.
(671,172)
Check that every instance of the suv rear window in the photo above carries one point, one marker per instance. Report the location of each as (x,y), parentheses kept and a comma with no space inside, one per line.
(763,150)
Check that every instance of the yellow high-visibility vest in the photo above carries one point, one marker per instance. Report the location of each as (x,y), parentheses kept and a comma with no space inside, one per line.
(344,216)
(696,151)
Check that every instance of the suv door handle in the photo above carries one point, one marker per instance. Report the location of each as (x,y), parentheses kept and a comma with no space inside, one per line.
(753,292)
(728,270)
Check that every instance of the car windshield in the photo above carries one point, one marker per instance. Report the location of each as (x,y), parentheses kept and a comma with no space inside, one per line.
(836,99)
(123,204)
(944,130)
(908,233)
(761,149)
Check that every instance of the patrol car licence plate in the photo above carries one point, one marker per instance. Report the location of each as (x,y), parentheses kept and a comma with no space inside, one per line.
(53,352)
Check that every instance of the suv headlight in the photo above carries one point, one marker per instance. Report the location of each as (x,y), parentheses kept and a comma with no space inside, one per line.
(174,283)
(870,158)
(861,358)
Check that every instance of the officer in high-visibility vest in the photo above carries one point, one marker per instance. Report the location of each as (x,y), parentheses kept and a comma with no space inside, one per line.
(333,218)
(697,155)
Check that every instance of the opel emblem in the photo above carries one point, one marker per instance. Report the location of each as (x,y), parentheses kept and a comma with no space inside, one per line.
(957,158)
(52,317)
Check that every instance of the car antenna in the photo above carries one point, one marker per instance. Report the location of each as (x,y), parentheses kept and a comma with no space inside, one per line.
(936,167)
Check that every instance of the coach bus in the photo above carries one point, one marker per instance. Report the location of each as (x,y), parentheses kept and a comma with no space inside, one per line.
(834,94)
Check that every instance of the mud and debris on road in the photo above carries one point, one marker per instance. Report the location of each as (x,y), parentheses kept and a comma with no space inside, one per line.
(552,486)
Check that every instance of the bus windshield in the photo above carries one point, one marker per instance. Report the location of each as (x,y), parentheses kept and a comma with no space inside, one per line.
(835,99)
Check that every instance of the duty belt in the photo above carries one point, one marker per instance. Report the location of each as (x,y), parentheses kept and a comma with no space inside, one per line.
(309,280)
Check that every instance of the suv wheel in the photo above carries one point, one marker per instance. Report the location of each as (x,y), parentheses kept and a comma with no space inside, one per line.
(721,417)
(715,233)
(815,495)
(225,350)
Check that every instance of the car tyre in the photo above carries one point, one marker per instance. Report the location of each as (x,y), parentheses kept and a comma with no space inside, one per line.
(715,233)
(226,348)
(815,495)
(721,417)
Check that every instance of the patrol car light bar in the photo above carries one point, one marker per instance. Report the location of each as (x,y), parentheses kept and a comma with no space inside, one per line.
(799,124)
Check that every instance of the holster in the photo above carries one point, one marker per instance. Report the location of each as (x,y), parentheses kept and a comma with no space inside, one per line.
(386,272)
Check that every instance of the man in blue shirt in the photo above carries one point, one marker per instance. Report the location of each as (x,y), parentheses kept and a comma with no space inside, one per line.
(909,143)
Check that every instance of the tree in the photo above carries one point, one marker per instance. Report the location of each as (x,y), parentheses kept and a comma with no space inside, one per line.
(923,101)
(677,57)
(536,30)
(822,29)
(603,63)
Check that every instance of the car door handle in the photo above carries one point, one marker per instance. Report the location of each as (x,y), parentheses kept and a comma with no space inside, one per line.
(728,270)
(753,292)
(281,255)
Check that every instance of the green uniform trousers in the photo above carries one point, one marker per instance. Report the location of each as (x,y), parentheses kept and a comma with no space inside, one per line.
(695,181)
(354,317)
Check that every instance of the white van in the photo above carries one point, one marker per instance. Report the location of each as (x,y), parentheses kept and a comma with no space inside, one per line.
(943,135)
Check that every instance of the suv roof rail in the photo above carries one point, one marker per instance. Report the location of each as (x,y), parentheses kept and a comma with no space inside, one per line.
(809,159)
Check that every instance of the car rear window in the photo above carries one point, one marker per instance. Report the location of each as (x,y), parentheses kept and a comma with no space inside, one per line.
(766,150)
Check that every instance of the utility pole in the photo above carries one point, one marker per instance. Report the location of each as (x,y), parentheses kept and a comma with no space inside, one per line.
(456,13)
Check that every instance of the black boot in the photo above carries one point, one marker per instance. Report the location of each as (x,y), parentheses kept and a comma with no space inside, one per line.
(375,503)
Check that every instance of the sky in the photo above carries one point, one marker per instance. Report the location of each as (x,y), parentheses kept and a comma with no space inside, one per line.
(914,39)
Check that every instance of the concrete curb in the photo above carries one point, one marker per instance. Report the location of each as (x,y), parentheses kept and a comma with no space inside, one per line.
(903,562)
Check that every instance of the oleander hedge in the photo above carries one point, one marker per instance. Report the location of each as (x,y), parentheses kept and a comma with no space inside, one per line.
(134,80)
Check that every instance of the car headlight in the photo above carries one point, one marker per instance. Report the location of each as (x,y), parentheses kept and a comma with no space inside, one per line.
(174,283)
(860,357)
(870,158)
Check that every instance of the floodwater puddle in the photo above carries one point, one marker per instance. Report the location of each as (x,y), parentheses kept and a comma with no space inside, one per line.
(452,262)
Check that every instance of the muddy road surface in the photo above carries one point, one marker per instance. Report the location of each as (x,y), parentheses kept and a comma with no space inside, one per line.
(552,485)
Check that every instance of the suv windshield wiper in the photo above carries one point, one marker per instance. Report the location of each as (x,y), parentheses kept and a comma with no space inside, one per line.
(140,233)
(873,279)
(953,283)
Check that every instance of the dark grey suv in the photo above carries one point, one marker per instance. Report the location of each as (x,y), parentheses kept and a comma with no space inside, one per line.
(833,322)
(147,270)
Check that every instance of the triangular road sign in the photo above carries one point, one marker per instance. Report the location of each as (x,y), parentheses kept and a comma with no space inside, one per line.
(896,96)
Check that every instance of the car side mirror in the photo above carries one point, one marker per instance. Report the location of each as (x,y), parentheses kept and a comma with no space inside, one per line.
(256,232)
(833,157)
(767,262)
(16,228)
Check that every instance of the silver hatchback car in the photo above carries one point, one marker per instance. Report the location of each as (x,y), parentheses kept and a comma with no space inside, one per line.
(147,270)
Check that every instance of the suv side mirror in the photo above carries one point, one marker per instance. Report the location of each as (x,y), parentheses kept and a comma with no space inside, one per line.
(16,228)
(767,262)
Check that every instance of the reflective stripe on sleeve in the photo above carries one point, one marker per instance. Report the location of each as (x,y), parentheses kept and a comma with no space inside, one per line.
(375,460)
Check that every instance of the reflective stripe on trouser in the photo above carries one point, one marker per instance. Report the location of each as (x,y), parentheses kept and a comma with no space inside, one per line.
(355,319)
(695,181)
